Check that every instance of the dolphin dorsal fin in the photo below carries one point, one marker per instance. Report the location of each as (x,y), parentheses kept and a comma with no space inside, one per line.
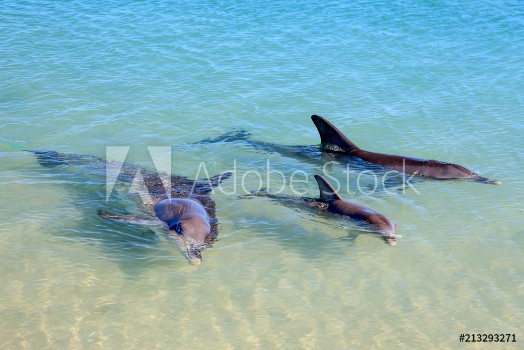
(327,192)
(332,138)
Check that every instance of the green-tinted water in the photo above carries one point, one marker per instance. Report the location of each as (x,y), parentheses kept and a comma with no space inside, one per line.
(441,81)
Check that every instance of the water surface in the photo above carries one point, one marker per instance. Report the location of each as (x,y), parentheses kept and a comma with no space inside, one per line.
(434,80)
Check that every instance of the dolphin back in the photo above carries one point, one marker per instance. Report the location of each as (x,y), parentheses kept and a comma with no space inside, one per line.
(331,138)
(327,192)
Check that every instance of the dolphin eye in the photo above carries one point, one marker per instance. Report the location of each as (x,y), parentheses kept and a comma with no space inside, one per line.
(177,228)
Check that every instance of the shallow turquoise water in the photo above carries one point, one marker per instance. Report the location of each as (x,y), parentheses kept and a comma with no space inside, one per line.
(434,80)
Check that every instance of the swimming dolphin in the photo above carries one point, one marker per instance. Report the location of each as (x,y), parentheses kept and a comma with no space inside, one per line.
(336,205)
(187,220)
(335,143)
(329,200)
(332,140)
(188,210)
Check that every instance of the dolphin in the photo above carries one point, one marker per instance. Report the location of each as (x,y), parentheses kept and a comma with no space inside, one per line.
(334,141)
(336,205)
(188,209)
(187,220)
(329,200)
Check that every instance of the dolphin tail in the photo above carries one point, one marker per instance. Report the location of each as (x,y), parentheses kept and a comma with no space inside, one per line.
(230,136)
(51,159)
(48,158)
(217,179)
(204,186)
(331,138)
(327,192)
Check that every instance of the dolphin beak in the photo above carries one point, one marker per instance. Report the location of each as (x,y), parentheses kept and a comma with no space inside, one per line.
(191,249)
(193,256)
(391,239)
(494,182)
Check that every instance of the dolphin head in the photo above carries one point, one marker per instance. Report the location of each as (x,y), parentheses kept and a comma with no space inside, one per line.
(189,224)
(193,232)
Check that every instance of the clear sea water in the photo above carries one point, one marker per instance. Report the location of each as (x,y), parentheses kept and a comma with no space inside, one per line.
(431,79)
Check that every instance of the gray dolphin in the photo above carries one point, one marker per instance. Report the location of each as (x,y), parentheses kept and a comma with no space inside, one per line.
(335,143)
(333,140)
(188,210)
(329,200)
(336,205)
(187,220)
